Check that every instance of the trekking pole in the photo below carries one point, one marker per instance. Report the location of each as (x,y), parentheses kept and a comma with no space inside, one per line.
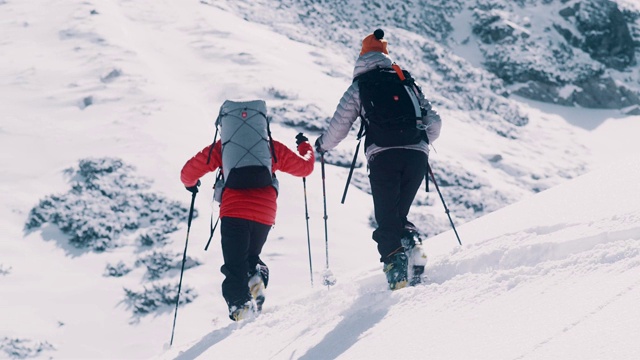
(213,229)
(327,277)
(446,210)
(353,162)
(306,214)
(184,259)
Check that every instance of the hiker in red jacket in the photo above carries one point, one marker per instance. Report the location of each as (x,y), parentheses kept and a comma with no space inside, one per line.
(246,217)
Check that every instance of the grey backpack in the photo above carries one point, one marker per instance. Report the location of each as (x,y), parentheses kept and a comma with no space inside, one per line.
(247,147)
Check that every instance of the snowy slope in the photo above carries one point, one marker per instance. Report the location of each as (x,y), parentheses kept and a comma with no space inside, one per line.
(554,276)
(142,81)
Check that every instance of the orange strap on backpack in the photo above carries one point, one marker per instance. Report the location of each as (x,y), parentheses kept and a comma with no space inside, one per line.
(396,67)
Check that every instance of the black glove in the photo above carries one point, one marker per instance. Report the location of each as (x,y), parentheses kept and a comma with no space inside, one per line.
(300,138)
(193,189)
(318,146)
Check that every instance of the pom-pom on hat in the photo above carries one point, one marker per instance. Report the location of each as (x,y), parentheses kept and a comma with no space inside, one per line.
(374,42)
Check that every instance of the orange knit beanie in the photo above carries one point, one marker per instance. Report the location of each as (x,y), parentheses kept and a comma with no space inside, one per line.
(374,42)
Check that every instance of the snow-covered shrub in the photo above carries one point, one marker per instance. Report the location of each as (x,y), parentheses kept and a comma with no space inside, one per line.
(462,189)
(309,117)
(493,27)
(344,158)
(157,296)
(160,262)
(281,94)
(23,348)
(118,270)
(111,76)
(106,201)
(153,236)
(4,270)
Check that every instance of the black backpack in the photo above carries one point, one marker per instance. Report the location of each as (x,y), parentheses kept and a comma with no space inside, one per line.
(393,115)
(391,107)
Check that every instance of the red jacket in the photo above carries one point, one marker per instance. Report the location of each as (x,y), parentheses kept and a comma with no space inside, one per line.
(252,204)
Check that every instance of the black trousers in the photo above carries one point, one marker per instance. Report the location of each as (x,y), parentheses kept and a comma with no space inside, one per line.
(395,176)
(242,242)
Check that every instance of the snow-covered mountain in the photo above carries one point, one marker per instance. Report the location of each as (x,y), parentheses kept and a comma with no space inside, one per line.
(473,56)
(577,52)
(104,101)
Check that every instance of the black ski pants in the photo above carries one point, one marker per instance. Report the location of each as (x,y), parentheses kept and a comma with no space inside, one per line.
(242,242)
(395,176)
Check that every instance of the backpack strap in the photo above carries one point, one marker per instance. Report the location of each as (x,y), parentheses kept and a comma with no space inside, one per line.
(215,137)
(217,196)
(410,82)
(398,70)
(273,150)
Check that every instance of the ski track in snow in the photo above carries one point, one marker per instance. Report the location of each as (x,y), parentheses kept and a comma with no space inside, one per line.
(357,310)
(557,335)
(481,272)
(511,255)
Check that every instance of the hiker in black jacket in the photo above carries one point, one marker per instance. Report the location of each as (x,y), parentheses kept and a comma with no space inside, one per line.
(396,151)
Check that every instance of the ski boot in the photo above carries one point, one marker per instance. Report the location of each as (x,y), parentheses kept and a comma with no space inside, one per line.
(415,253)
(242,311)
(258,281)
(396,270)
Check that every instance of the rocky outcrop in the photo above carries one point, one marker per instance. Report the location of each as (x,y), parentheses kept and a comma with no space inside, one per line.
(568,60)
(597,92)
(599,29)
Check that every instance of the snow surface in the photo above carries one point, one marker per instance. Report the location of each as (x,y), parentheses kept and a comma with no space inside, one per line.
(556,275)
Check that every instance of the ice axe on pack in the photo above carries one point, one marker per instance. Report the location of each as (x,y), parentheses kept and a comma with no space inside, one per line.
(328,278)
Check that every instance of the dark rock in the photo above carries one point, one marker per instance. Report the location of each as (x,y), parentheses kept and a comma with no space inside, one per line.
(604,93)
(595,93)
(604,32)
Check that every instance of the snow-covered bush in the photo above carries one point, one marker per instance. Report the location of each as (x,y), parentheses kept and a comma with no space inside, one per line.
(4,270)
(160,262)
(157,296)
(309,117)
(153,236)
(106,201)
(109,206)
(15,348)
(344,158)
(118,270)
(280,94)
